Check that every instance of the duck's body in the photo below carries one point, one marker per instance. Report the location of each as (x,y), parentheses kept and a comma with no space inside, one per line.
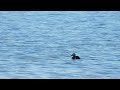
(74,56)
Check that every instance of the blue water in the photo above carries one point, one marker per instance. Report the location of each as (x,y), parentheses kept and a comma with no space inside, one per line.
(39,44)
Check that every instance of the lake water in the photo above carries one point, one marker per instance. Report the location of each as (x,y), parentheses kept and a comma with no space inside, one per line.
(39,44)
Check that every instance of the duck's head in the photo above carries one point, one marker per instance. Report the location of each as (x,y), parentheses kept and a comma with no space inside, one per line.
(73,54)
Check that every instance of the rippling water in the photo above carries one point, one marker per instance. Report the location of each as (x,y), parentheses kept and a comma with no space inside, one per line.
(38,44)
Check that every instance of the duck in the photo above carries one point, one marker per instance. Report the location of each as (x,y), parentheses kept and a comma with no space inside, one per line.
(74,56)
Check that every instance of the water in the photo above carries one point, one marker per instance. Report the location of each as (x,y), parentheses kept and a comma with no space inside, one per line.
(38,44)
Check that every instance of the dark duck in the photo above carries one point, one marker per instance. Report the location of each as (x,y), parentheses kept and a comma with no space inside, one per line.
(74,56)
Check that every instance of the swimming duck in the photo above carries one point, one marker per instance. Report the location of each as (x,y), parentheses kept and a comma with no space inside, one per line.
(74,56)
